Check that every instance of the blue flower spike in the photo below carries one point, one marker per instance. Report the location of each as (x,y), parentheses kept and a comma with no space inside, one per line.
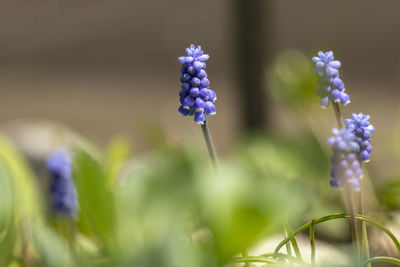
(196,97)
(346,166)
(330,86)
(362,129)
(63,199)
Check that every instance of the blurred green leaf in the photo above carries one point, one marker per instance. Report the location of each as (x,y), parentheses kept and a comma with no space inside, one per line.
(286,158)
(19,200)
(389,193)
(8,240)
(6,199)
(8,231)
(242,206)
(25,197)
(291,79)
(52,248)
(118,151)
(302,161)
(158,210)
(96,200)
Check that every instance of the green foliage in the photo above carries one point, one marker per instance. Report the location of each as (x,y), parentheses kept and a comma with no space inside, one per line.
(95,196)
(389,194)
(19,200)
(168,208)
(52,248)
(291,79)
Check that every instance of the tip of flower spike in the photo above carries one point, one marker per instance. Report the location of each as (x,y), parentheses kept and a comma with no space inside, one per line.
(182,60)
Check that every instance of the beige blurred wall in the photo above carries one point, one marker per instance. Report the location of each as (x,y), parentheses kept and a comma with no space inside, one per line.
(105,67)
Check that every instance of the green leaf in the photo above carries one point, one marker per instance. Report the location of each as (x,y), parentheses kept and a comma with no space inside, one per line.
(118,151)
(19,201)
(291,79)
(25,197)
(52,248)
(96,200)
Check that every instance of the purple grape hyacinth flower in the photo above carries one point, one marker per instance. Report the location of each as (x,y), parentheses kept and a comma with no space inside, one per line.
(63,199)
(362,129)
(196,97)
(330,86)
(345,165)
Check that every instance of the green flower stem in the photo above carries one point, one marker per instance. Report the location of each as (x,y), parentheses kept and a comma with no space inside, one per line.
(283,256)
(353,221)
(312,242)
(350,198)
(293,241)
(382,259)
(288,248)
(246,254)
(269,258)
(210,144)
(249,259)
(338,115)
(213,155)
(364,235)
(341,216)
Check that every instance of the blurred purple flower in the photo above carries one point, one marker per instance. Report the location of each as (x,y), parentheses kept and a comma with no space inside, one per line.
(362,129)
(330,86)
(63,198)
(345,165)
(196,97)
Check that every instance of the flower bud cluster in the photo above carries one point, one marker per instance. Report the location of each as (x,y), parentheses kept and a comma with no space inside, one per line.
(196,97)
(63,198)
(330,86)
(345,164)
(362,129)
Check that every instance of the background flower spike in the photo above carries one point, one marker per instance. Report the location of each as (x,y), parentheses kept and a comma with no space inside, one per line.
(330,87)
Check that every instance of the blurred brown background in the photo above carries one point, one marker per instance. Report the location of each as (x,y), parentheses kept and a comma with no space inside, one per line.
(105,67)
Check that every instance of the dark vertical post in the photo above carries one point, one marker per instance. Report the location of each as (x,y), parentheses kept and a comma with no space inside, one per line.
(251,52)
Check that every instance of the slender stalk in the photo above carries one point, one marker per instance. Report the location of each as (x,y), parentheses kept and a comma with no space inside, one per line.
(288,248)
(306,226)
(254,259)
(364,235)
(269,258)
(282,256)
(245,254)
(350,197)
(338,115)
(353,221)
(382,259)
(213,157)
(210,144)
(294,242)
(312,242)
